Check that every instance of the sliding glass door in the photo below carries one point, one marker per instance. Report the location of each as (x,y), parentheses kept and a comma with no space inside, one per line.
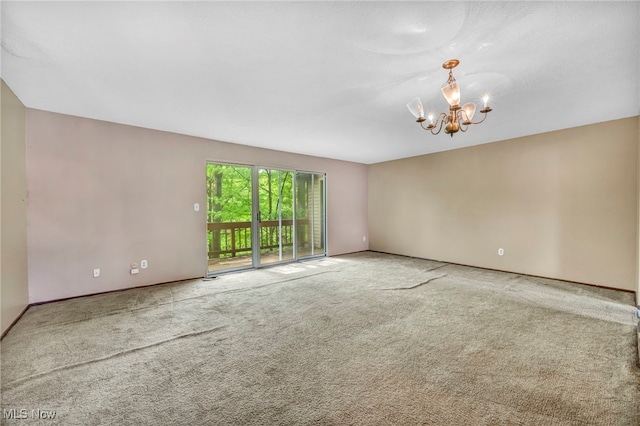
(259,216)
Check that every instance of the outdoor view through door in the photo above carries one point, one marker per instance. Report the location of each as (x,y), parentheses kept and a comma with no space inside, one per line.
(251,211)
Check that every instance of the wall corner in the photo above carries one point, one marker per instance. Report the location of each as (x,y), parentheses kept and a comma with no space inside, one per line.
(14,286)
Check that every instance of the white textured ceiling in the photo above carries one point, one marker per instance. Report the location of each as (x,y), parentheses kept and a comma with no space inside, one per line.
(324,78)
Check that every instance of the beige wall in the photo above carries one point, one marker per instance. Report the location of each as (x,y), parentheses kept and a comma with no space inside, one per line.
(561,204)
(105,195)
(13,218)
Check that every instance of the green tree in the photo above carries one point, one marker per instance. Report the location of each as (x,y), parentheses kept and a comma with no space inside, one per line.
(229,199)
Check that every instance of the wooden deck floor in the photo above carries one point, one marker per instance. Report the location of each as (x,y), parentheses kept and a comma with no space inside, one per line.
(246,260)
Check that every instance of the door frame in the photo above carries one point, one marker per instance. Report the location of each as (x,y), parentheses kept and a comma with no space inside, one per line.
(255,219)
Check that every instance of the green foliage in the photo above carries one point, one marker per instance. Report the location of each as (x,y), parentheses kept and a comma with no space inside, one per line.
(276,194)
(229,193)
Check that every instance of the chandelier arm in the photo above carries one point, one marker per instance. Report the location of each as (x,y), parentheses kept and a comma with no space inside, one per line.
(425,128)
(484,117)
(462,121)
(442,117)
(438,121)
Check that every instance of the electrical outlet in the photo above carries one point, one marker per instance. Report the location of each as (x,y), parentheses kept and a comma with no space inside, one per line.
(134,271)
(134,265)
(144,264)
(96,273)
(364,238)
(500,252)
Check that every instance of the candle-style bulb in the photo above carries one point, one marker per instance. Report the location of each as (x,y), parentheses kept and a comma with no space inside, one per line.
(485,99)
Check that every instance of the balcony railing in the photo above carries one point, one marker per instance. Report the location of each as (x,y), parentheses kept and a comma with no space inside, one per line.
(231,239)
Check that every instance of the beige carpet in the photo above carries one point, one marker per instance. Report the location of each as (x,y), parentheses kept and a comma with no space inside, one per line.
(363,339)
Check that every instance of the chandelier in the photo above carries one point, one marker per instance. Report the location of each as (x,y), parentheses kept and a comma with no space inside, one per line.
(458,118)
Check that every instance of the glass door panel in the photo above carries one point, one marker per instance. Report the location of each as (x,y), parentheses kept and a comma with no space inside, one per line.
(310,214)
(229,201)
(275,215)
(319,209)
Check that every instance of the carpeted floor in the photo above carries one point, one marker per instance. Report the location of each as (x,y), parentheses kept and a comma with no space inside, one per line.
(362,339)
